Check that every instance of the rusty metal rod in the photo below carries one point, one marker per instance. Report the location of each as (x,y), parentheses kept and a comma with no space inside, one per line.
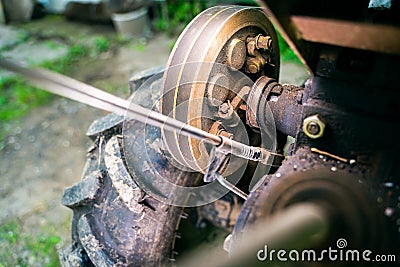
(84,93)
(87,94)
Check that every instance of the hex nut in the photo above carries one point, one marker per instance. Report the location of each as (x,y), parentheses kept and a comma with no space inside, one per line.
(253,65)
(253,68)
(314,126)
(263,42)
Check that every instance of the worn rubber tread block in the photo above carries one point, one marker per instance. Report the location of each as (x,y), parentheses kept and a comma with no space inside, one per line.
(129,193)
(91,244)
(73,257)
(105,126)
(141,77)
(82,192)
(133,237)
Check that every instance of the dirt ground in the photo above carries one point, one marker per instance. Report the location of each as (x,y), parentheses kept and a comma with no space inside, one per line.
(46,151)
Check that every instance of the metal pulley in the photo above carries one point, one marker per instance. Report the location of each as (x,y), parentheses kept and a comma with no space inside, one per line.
(209,74)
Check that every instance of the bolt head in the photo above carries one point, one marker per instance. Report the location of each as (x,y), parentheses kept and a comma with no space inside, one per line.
(253,68)
(224,108)
(314,126)
(263,42)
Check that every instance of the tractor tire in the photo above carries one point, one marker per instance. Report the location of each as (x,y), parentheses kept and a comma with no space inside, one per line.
(114,222)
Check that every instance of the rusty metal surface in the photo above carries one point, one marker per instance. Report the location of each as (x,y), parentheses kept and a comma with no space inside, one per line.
(372,27)
(379,38)
(284,101)
(286,108)
(353,97)
(358,121)
(254,99)
(348,191)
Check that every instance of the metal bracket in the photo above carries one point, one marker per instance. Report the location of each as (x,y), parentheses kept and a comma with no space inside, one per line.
(217,164)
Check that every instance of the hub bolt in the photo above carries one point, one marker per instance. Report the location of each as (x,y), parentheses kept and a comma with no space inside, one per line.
(314,126)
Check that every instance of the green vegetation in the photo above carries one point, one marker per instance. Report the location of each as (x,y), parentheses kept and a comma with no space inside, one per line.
(101,44)
(287,53)
(18,249)
(22,37)
(180,13)
(64,64)
(17,97)
(140,47)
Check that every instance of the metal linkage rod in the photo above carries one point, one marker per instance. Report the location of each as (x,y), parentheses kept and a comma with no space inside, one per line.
(84,93)
(87,94)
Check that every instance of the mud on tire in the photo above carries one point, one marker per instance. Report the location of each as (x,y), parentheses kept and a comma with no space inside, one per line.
(114,222)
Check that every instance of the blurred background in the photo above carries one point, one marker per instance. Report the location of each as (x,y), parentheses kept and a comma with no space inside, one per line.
(42,137)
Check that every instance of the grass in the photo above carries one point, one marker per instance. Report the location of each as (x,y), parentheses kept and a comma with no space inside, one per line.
(18,97)
(101,44)
(21,249)
(180,13)
(63,65)
(287,53)
(140,47)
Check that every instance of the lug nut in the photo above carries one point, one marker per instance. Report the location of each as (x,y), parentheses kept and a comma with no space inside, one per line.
(314,126)
(263,42)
